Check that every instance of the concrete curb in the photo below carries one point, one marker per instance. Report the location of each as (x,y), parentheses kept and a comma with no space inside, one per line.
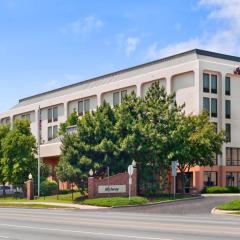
(159,203)
(216,211)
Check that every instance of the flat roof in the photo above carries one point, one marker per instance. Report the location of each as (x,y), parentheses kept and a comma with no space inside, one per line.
(196,51)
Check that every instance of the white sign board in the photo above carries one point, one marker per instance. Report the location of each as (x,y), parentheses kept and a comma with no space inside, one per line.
(112,189)
(174,168)
(130,170)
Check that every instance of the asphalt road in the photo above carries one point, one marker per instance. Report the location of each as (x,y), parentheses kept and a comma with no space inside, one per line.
(189,207)
(116,224)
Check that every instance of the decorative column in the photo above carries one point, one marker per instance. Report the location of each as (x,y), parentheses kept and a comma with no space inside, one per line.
(30,189)
(91,187)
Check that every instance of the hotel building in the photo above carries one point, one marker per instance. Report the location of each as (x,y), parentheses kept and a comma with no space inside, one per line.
(200,79)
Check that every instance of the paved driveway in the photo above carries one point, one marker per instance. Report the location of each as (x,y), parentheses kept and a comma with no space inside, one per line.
(189,207)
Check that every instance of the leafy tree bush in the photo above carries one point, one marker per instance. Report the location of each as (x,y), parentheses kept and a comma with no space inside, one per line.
(218,189)
(48,187)
(153,131)
(18,153)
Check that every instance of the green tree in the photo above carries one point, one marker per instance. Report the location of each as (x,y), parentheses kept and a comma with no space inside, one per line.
(71,121)
(19,150)
(161,117)
(4,130)
(92,147)
(196,143)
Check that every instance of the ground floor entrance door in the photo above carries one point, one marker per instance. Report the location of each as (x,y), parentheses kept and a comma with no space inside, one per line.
(188,182)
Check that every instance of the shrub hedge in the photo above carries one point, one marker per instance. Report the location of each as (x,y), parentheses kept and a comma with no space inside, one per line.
(218,189)
(48,187)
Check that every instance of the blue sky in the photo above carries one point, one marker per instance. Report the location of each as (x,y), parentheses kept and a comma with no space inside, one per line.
(45,44)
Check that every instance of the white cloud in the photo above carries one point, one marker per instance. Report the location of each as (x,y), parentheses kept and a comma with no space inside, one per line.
(131,44)
(82,27)
(225,40)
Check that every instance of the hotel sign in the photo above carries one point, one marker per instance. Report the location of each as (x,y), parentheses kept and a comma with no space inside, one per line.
(237,71)
(112,189)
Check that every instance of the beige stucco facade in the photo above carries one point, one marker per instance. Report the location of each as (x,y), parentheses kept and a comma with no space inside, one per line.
(182,73)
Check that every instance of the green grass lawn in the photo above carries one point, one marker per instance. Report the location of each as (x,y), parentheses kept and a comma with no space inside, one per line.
(233,205)
(104,202)
(115,201)
(64,198)
(19,205)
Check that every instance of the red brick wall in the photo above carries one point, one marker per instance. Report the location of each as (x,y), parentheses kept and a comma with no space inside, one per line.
(119,179)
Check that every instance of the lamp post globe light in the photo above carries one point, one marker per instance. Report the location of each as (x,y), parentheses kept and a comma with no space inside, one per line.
(30,177)
(91,173)
(134,163)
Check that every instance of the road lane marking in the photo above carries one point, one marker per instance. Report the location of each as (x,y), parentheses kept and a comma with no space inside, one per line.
(84,232)
(4,237)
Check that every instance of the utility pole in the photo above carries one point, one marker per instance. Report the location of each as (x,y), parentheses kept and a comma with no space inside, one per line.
(39,143)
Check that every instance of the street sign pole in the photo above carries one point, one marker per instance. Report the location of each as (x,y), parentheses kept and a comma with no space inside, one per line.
(174,190)
(108,182)
(130,173)
(174,174)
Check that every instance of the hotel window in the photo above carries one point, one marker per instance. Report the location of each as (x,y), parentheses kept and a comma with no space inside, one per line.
(216,126)
(228,109)
(116,99)
(27,117)
(233,179)
(123,95)
(83,107)
(233,156)
(53,114)
(206,82)
(213,83)
(227,86)
(50,115)
(228,132)
(206,104)
(5,121)
(213,107)
(52,132)
(210,179)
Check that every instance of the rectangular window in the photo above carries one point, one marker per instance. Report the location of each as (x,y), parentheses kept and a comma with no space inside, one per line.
(227,86)
(228,109)
(50,115)
(206,105)
(213,83)
(216,126)
(80,108)
(83,107)
(210,179)
(233,179)
(55,131)
(123,95)
(27,117)
(55,114)
(115,98)
(206,82)
(50,134)
(214,107)
(228,132)
(86,105)
(233,156)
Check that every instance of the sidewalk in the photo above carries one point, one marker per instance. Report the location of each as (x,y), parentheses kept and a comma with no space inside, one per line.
(221,195)
(67,205)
